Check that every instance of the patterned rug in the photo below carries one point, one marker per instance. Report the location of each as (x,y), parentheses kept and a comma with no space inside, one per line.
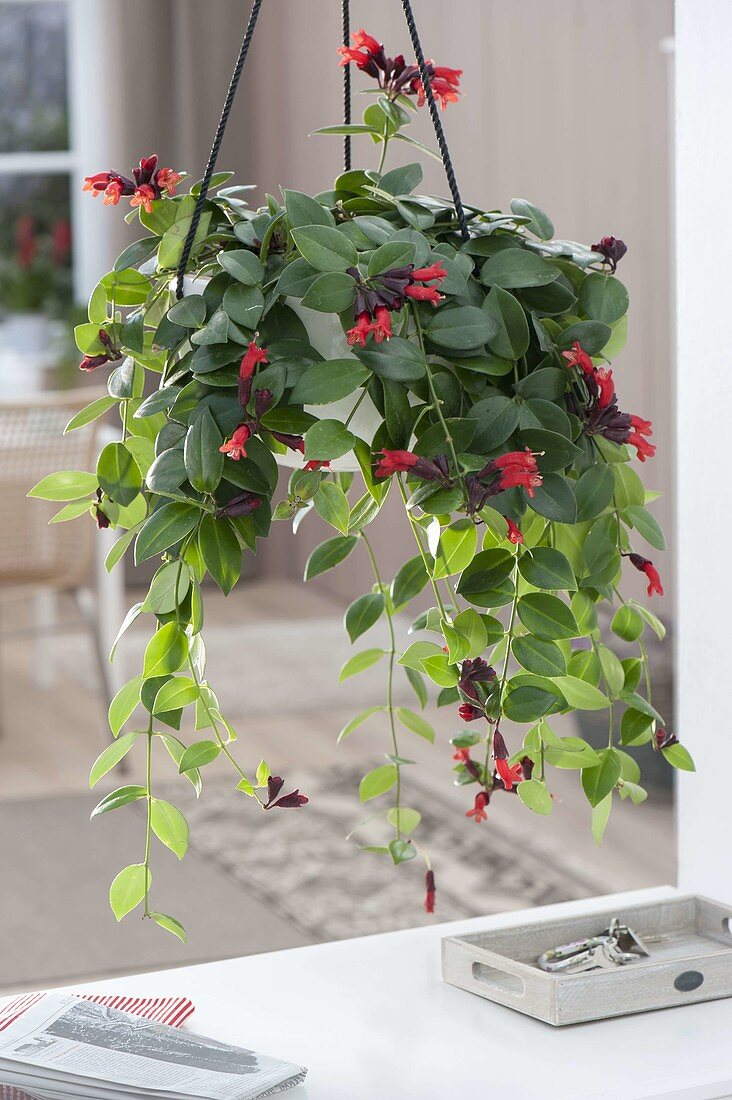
(301,864)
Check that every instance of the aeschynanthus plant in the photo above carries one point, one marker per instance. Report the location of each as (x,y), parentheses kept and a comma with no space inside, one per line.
(488,364)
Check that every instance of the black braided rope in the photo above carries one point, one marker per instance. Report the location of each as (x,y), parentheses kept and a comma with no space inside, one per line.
(436,122)
(213,155)
(346,87)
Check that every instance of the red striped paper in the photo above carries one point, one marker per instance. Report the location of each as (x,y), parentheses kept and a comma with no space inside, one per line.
(173,1011)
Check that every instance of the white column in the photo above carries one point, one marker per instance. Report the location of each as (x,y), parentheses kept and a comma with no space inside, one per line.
(704,398)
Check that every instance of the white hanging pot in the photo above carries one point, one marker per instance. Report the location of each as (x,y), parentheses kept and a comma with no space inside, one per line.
(328,338)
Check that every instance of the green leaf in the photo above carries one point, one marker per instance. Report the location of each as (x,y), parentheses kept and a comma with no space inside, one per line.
(627,623)
(592,335)
(360,662)
(198,755)
(165,528)
(416,681)
(325,248)
(571,752)
(512,339)
(472,626)
(544,567)
(603,298)
(243,265)
(189,312)
(636,515)
(554,499)
(539,223)
(220,551)
(331,504)
(331,292)
(414,654)
(403,819)
(122,796)
(302,210)
(439,670)
(517,267)
(594,491)
(128,889)
(580,695)
(653,620)
(679,757)
(545,384)
(409,581)
(329,554)
(169,826)
(600,817)
(111,756)
(600,547)
(401,850)
(329,381)
(547,616)
(203,460)
(390,255)
(243,305)
(635,727)
(176,749)
(358,720)
(612,670)
(377,782)
(461,327)
(629,488)
(534,794)
(71,511)
(124,703)
(637,702)
(166,651)
(168,588)
(555,450)
(600,781)
(527,702)
(395,360)
(178,692)
(416,723)
(363,613)
(170,924)
(540,657)
(90,413)
(328,439)
(456,548)
(65,485)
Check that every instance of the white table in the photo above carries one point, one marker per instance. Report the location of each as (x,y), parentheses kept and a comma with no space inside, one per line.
(372,1020)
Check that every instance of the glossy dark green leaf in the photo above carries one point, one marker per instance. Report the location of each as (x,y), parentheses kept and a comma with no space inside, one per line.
(539,656)
(244,305)
(165,528)
(547,383)
(118,473)
(220,551)
(547,616)
(497,418)
(512,339)
(328,439)
(545,567)
(304,210)
(515,268)
(599,781)
(461,327)
(397,360)
(540,224)
(594,491)
(204,462)
(645,524)
(409,581)
(243,265)
(363,613)
(331,292)
(329,381)
(189,312)
(603,297)
(325,248)
(558,451)
(329,554)
(592,335)
(554,499)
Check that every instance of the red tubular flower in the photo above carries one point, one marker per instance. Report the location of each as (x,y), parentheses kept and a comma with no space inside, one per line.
(641,428)
(643,565)
(315,464)
(253,355)
(518,468)
(381,327)
(478,810)
(461,755)
(429,900)
(578,357)
(97,182)
(509,775)
(514,533)
(113,192)
(606,386)
(236,446)
(361,331)
(144,196)
(168,180)
(405,462)
(445,84)
(469,713)
(424,294)
(364,49)
(426,274)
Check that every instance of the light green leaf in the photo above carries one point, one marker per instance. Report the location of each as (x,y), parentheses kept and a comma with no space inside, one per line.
(198,755)
(169,826)
(363,613)
(170,924)
(111,756)
(534,794)
(90,413)
(600,781)
(600,817)
(456,548)
(679,757)
(124,703)
(403,819)
(360,662)
(128,889)
(178,692)
(166,651)
(331,504)
(329,554)
(65,485)
(580,695)
(377,782)
(416,723)
(359,720)
(122,796)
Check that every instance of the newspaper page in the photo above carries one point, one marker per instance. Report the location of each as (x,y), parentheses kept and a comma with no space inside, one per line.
(68,1047)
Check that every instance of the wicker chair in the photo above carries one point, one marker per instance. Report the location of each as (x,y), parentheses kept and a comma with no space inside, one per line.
(36,557)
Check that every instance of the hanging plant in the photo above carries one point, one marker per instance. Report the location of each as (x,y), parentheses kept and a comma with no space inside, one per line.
(381,341)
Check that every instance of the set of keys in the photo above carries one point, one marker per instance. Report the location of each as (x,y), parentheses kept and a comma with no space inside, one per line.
(618,945)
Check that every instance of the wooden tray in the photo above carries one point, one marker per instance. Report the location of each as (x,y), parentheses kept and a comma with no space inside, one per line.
(690,962)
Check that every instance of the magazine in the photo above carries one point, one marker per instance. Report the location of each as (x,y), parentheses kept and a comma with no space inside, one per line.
(64,1046)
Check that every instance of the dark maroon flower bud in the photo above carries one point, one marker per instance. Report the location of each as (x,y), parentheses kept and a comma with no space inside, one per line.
(612,249)
(262,402)
(664,740)
(275,783)
(429,900)
(242,505)
(91,362)
(101,517)
(527,767)
(500,752)
(469,713)
(294,442)
(472,672)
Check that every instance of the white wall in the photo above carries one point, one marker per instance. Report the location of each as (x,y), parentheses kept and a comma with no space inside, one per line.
(704,387)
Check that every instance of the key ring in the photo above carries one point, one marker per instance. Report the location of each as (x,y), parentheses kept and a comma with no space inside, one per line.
(618,945)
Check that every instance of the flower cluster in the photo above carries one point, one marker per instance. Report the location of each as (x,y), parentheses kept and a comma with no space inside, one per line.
(406,462)
(235,447)
(378,296)
(111,355)
(514,469)
(395,76)
(593,399)
(148,183)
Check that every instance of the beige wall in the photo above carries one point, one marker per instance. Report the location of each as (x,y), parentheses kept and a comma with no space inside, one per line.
(566,103)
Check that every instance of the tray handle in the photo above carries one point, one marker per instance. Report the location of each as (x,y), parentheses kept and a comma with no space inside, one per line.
(503,981)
